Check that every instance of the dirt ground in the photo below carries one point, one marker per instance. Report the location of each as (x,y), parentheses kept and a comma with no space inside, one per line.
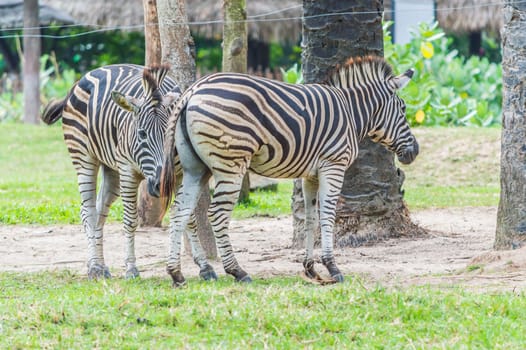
(458,251)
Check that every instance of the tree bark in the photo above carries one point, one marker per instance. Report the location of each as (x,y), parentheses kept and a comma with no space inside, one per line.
(150,208)
(235,54)
(234,36)
(178,50)
(511,215)
(31,69)
(178,47)
(371,206)
(153,51)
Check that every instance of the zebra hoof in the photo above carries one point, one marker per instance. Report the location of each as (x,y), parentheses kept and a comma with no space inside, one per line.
(177,285)
(334,271)
(310,272)
(177,278)
(245,279)
(132,273)
(97,271)
(208,273)
(338,278)
(240,275)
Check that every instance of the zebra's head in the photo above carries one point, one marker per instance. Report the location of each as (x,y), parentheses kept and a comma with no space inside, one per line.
(150,112)
(389,125)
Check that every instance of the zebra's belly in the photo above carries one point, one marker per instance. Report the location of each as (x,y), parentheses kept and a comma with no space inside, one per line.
(275,168)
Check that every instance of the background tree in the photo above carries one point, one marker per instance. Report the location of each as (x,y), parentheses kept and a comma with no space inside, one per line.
(178,50)
(235,53)
(31,70)
(152,38)
(511,215)
(371,205)
(150,208)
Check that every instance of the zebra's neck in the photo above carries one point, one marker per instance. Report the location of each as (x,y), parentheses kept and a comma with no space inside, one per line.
(363,102)
(125,125)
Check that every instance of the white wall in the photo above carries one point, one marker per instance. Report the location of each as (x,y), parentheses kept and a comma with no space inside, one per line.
(407,15)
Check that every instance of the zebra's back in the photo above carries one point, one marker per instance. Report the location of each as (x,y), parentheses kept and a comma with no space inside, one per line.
(284,129)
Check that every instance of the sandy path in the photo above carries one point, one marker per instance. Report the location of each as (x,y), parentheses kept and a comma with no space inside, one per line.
(458,238)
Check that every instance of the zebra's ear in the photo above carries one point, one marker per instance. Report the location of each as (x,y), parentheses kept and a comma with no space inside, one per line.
(170,98)
(402,80)
(127,103)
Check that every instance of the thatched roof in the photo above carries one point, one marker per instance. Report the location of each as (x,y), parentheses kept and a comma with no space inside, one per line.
(106,13)
(464,16)
(129,15)
(282,22)
(457,16)
(12,15)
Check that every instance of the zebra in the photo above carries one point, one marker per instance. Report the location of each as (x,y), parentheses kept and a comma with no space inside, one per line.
(228,123)
(114,119)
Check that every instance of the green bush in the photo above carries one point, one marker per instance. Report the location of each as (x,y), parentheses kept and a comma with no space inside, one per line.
(293,75)
(11,104)
(447,89)
(54,83)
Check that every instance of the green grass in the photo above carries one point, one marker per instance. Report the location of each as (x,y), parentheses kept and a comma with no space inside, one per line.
(38,183)
(456,167)
(50,310)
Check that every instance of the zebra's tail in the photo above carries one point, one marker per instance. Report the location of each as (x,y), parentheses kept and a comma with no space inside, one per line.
(53,111)
(169,170)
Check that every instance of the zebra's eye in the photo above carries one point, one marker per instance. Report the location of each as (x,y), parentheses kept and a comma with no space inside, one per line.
(142,134)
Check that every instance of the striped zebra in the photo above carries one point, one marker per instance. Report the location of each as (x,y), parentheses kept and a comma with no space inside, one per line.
(227,123)
(114,119)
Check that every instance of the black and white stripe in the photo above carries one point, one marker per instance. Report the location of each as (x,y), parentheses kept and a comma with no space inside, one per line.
(227,123)
(114,119)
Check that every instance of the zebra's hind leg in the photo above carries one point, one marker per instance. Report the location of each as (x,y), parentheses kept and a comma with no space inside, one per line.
(195,180)
(129,184)
(226,193)
(331,180)
(87,179)
(206,271)
(310,192)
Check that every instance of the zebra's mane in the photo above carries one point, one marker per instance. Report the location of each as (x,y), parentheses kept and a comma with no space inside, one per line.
(358,71)
(152,78)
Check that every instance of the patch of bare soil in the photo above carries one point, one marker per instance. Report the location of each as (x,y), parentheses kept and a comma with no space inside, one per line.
(458,251)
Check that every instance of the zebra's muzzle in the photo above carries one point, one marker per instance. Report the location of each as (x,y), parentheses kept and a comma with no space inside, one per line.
(408,154)
(154,184)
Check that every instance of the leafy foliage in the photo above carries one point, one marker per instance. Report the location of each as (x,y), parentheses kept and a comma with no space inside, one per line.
(447,89)
(54,83)
(293,75)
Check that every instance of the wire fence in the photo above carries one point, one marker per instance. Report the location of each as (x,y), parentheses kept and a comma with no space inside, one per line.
(258,18)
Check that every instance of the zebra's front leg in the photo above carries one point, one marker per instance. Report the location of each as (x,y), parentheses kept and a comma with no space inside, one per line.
(108,192)
(226,193)
(87,179)
(331,180)
(310,193)
(129,185)
(206,271)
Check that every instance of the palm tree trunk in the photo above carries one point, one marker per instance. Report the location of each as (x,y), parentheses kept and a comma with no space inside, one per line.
(235,54)
(150,208)
(511,215)
(31,62)
(178,49)
(371,205)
